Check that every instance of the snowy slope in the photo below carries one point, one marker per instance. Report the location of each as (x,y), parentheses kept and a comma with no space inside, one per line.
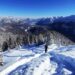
(34,61)
(65,59)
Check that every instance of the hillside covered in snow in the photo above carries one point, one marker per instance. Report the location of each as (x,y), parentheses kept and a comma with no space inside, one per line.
(15,31)
(22,46)
(34,61)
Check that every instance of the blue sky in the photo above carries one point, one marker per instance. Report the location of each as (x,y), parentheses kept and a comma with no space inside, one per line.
(37,8)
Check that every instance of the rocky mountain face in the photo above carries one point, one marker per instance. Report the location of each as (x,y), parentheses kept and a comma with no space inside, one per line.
(63,25)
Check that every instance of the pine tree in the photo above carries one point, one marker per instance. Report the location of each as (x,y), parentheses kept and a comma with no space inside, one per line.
(4,46)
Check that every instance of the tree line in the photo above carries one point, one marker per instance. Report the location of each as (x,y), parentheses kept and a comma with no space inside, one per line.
(30,38)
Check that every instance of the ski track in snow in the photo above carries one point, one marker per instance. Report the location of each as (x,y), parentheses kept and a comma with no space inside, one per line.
(58,61)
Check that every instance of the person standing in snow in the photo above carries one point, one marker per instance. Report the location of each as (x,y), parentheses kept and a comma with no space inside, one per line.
(46,47)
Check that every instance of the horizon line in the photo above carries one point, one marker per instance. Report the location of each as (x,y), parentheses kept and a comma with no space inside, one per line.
(34,17)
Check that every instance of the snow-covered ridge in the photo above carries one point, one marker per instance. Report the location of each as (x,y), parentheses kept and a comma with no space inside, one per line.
(20,20)
(58,61)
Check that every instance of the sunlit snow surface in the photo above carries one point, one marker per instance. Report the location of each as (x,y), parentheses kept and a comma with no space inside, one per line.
(59,60)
